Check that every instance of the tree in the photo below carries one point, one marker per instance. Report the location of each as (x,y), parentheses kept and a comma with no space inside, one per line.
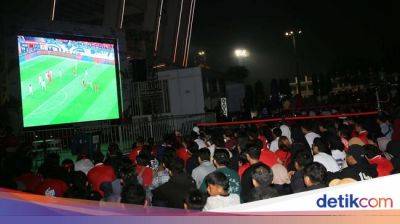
(237,73)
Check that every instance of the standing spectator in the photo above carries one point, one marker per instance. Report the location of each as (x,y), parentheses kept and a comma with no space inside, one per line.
(205,167)
(218,189)
(137,149)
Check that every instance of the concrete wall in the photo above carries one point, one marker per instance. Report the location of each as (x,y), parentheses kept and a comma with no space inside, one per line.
(185,87)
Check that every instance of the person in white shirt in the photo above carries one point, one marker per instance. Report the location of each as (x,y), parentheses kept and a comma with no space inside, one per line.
(286,132)
(205,167)
(320,152)
(310,136)
(337,149)
(274,146)
(217,188)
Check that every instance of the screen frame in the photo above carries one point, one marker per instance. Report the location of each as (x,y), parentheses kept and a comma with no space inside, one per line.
(74,37)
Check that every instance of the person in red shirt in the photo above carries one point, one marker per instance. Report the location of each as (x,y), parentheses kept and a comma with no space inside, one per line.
(27,181)
(100,173)
(135,151)
(361,132)
(230,141)
(283,154)
(143,171)
(383,166)
(268,158)
(183,153)
(51,187)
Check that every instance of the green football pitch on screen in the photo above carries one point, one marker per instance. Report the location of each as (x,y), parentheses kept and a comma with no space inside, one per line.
(61,90)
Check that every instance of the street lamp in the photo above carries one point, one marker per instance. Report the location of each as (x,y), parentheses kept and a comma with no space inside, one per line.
(293,34)
(201,53)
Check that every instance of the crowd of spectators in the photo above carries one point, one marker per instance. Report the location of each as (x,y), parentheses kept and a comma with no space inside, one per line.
(215,167)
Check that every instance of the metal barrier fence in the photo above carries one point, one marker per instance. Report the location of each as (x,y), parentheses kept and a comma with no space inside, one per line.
(125,134)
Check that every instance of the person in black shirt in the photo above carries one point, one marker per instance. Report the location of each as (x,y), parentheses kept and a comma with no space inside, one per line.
(358,167)
(252,155)
(301,160)
(172,194)
(262,177)
(314,176)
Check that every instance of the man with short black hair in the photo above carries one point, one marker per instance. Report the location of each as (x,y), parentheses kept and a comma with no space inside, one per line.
(314,176)
(301,160)
(252,155)
(221,160)
(205,167)
(309,134)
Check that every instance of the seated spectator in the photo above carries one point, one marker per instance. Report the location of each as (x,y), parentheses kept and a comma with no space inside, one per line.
(252,155)
(133,194)
(309,134)
(220,161)
(281,179)
(100,173)
(83,164)
(68,165)
(27,181)
(262,177)
(314,176)
(195,200)
(283,154)
(301,160)
(53,185)
(205,167)
(337,182)
(109,195)
(361,133)
(322,156)
(217,188)
(385,126)
(358,167)
(143,171)
(137,149)
(374,156)
(161,175)
(276,133)
(337,150)
(172,193)
(78,186)
(261,193)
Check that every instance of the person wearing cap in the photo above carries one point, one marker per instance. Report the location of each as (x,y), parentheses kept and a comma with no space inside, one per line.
(358,167)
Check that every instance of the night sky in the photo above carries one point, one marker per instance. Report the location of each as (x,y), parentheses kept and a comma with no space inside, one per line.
(334,31)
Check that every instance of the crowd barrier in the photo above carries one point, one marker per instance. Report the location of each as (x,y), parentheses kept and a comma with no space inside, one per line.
(279,119)
(127,133)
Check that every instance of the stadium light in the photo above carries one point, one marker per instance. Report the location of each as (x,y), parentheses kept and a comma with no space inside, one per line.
(241,53)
